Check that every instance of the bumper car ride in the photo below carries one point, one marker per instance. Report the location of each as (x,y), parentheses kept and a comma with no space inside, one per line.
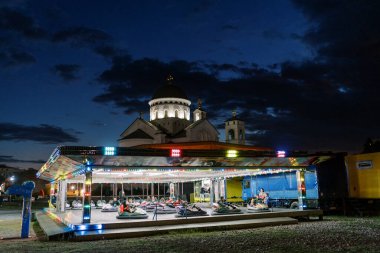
(190,211)
(258,208)
(76,205)
(165,209)
(127,211)
(225,209)
(109,208)
(100,204)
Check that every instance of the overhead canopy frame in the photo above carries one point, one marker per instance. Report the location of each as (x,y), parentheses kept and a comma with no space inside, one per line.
(131,165)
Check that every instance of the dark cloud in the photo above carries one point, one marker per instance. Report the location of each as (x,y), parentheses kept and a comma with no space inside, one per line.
(43,133)
(107,51)
(346,39)
(82,37)
(13,20)
(15,57)
(11,159)
(68,72)
(301,106)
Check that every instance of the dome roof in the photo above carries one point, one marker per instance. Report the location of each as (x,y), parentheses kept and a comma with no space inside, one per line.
(170,91)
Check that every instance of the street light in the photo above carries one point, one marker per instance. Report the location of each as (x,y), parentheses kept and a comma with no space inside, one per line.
(12,179)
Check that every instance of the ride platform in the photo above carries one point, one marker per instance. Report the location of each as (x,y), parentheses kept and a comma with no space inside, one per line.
(107,226)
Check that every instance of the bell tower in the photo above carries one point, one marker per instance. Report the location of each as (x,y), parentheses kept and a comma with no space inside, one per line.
(198,113)
(235,130)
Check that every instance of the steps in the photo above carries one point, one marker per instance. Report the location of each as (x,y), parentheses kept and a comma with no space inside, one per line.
(153,230)
(51,228)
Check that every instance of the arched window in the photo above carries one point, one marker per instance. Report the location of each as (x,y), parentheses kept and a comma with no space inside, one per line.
(156,115)
(231,134)
(241,134)
(176,113)
(166,114)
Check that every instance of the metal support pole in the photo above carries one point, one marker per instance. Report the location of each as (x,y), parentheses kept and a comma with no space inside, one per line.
(101,191)
(211,192)
(52,191)
(301,186)
(61,201)
(86,218)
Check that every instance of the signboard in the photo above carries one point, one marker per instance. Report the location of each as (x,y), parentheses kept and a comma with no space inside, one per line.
(367,164)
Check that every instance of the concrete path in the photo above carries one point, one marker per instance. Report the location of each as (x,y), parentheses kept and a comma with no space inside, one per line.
(10,225)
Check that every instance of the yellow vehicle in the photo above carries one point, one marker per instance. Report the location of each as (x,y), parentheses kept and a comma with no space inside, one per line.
(363,175)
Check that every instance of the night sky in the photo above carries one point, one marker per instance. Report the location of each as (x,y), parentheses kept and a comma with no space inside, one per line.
(304,75)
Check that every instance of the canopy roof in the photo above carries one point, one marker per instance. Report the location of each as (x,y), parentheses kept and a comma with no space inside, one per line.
(111,164)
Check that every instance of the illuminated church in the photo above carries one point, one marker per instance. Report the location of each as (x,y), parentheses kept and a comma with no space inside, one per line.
(170,122)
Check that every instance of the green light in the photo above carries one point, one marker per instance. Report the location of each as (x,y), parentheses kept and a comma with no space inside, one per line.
(87,206)
(232,153)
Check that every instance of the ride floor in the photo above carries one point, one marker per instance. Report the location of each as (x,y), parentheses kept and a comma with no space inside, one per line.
(74,217)
(105,225)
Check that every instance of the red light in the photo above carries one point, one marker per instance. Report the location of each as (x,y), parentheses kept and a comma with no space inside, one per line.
(87,194)
(176,153)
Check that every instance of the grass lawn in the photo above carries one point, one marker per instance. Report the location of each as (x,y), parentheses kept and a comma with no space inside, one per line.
(334,234)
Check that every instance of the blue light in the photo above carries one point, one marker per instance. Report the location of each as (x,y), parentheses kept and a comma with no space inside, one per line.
(88,168)
(82,227)
(109,151)
(281,153)
(99,226)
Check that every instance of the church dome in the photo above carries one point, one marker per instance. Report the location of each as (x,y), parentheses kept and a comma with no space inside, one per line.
(169,91)
(169,101)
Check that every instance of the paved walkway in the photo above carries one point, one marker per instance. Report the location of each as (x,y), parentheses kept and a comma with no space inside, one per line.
(10,224)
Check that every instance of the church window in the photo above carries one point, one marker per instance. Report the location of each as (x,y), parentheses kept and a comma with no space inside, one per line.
(231,134)
(241,134)
(176,113)
(156,114)
(166,114)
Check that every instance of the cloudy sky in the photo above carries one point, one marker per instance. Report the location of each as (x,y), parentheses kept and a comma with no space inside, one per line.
(304,75)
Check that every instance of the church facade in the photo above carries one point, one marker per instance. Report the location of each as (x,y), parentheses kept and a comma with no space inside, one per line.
(170,122)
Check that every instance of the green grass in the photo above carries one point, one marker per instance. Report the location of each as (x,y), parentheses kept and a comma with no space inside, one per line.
(334,234)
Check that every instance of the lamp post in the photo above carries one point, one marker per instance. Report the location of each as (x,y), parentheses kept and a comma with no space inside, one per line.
(12,179)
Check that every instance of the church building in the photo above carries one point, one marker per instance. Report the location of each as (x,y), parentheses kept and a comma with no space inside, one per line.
(170,122)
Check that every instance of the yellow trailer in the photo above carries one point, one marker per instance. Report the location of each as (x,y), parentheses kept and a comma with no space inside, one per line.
(363,175)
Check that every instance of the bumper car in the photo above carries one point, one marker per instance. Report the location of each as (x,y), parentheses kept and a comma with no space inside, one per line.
(130,211)
(100,204)
(93,204)
(190,211)
(110,207)
(77,205)
(258,208)
(176,203)
(67,206)
(164,209)
(225,209)
(151,207)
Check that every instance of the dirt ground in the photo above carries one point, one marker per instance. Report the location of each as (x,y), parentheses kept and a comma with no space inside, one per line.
(334,234)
